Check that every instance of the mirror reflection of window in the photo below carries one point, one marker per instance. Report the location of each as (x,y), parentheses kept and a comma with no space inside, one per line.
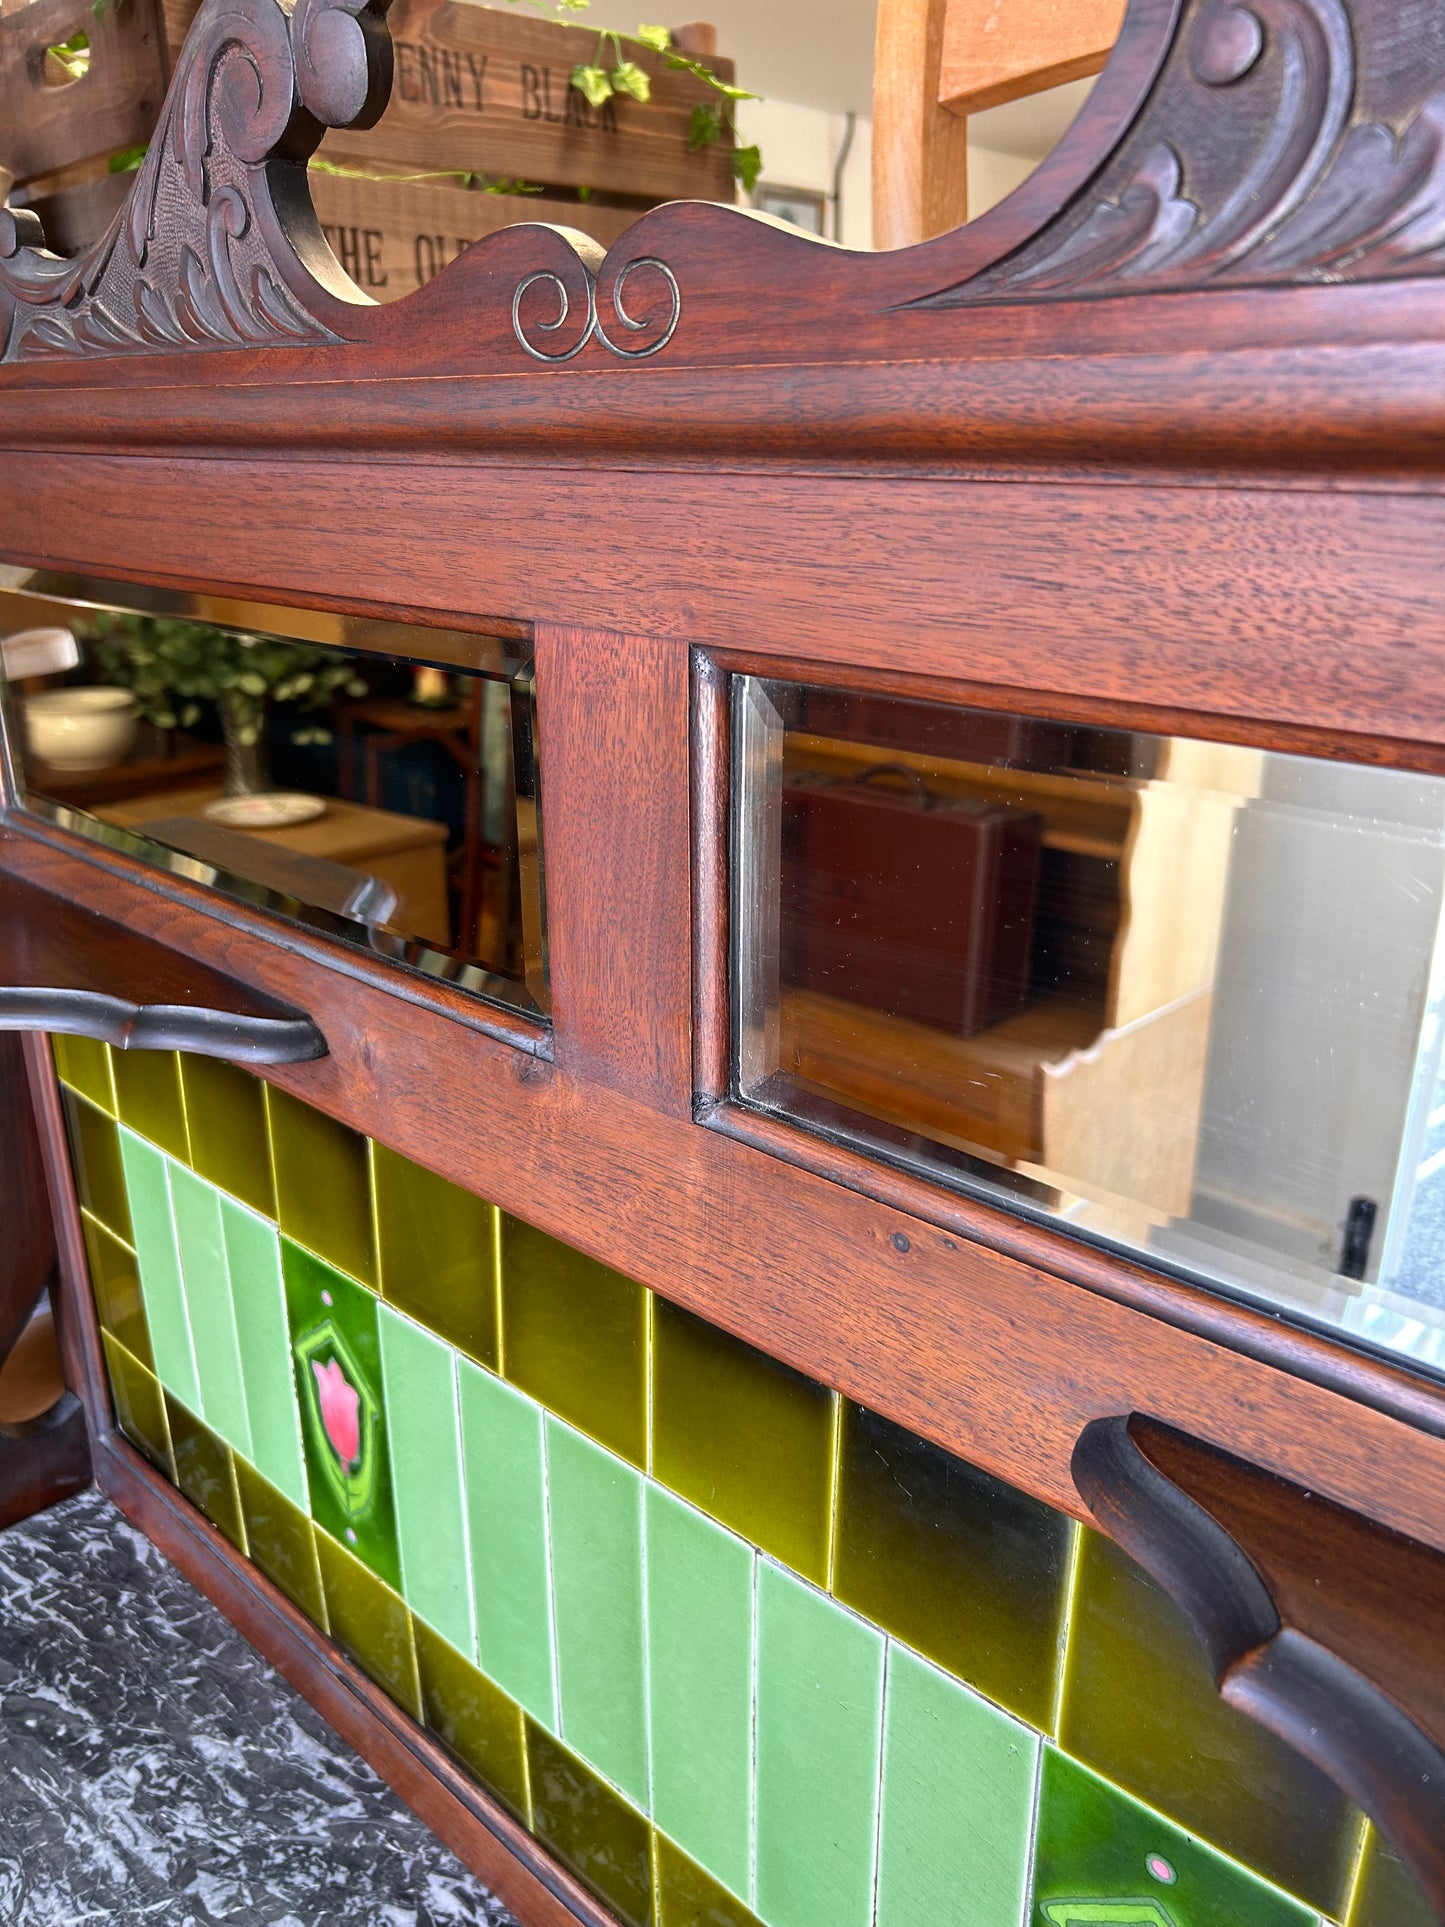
(1184,997)
(379,780)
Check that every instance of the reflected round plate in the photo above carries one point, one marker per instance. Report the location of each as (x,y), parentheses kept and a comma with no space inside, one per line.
(273,811)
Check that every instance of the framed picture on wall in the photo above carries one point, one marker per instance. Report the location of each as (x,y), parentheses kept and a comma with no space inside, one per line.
(804,207)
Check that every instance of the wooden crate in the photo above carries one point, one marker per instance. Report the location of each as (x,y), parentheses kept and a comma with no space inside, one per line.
(47,128)
(391,237)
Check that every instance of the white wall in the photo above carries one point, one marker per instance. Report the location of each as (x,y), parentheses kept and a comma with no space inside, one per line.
(800,149)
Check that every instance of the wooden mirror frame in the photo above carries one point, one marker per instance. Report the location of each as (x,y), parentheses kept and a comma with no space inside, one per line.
(1153,444)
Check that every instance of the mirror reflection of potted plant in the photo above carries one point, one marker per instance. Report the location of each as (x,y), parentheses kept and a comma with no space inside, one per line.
(173,667)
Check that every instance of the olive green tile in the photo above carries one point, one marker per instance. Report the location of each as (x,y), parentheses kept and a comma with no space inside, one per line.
(958,1803)
(700,1685)
(140,1408)
(282,1542)
(1140,1706)
(100,1179)
(745,1438)
(369,1622)
(689,1897)
(154,1237)
(204,1271)
(205,1472)
(603,1840)
(594,1503)
(226,1120)
(506,1481)
(84,1064)
(473,1719)
(148,1097)
(575,1337)
(115,1284)
(424,1440)
(1386,1895)
(337,1356)
(1102,1857)
(439,1251)
(963,1568)
(820,1718)
(258,1296)
(323,1185)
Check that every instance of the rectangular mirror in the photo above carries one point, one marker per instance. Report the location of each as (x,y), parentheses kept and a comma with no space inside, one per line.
(1179,997)
(372,780)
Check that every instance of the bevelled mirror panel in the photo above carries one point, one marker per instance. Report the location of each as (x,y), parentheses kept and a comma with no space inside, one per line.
(374,781)
(1180,997)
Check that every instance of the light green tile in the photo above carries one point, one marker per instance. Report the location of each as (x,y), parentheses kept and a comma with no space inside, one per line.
(419,1377)
(819,1713)
(197,1207)
(700,1680)
(958,1800)
(258,1296)
(595,1509)
(160,1268)
(507,1518)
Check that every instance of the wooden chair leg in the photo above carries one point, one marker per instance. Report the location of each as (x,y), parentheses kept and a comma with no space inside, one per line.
(44,1452)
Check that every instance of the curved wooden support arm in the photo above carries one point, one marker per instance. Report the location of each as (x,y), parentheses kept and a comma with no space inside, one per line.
(1261,1632)
(66,969)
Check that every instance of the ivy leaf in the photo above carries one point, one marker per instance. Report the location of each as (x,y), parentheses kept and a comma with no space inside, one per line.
(593,84)
(126,161)
(704,126)
(629,78)
(658,38)
(747,165)
(584,193)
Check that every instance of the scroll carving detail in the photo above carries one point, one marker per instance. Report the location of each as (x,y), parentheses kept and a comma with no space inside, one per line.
(217,245)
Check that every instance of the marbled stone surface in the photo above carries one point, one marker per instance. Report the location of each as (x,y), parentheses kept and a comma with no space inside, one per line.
(156,1770)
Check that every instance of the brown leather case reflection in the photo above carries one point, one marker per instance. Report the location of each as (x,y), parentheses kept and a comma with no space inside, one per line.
(917,905)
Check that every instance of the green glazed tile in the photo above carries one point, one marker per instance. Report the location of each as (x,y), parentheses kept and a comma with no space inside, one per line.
(148,1097)
(226,1119)
(700,1685)
(205,1473)
(100,1179)
(1386,1895)
(602,1839)
(595,1510)
(575,1337)
(369,1622)
(688,1897)
(281,1542)
(965,1569)
(1141,1707)
(337,1358)
(115,1283)
(473,1719)
(439,1253)
(420,1388)
(84,1064)
(743,1437)
(506,1483)
(140,1408)
(197,1209)
(820,1715)
(323,1185)
(159,1258)
(258,1297)
(958,1803)
(1096,1846)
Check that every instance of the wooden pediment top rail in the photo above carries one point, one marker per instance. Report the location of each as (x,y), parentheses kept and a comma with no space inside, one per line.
(70,970)
(1274,144)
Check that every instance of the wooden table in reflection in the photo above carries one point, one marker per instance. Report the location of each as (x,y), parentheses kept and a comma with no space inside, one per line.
(408,852)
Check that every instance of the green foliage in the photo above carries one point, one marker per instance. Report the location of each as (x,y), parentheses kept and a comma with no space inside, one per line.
(173,667)
(73,55)
(126,161)
(747,165)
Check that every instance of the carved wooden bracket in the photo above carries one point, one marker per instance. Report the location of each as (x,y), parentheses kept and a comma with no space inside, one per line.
(1260,1637)
(67,969)
(217,244)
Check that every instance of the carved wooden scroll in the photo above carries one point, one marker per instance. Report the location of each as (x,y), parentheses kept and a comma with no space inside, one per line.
(1282,1653)
(217,245)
